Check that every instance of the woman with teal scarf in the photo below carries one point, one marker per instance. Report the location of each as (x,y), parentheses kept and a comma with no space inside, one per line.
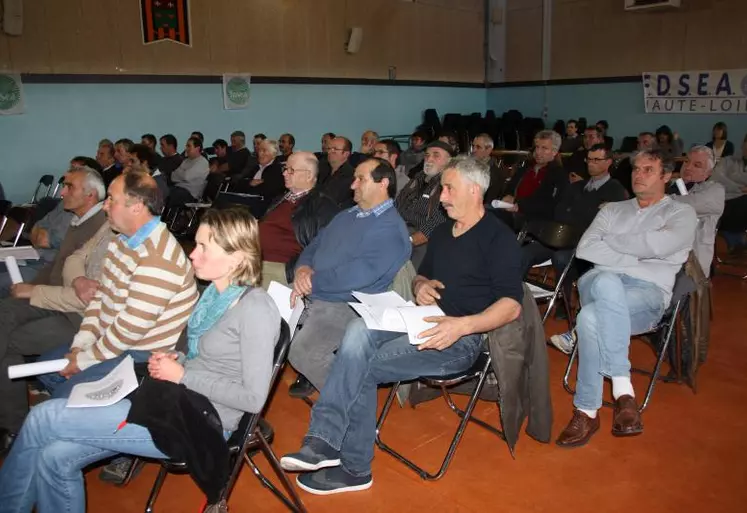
(231,335)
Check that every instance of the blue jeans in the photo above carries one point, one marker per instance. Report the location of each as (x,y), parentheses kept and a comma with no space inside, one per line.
(345,414)
(61,387)
(44,466)
(614,307)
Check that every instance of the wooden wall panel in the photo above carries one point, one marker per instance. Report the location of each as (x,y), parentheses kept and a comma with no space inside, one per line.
(523,40)
(424,39)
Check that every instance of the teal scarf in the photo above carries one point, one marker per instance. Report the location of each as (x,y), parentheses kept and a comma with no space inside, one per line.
(210,308)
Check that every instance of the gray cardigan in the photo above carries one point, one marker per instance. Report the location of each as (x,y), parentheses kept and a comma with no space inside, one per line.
(707,198)
(649,244)
(234,364)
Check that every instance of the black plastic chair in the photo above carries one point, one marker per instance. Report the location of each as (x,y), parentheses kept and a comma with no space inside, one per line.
(661,336)
(44,181)
(479,371)
(22,217)
(247,438)
(557,236)
(58,187)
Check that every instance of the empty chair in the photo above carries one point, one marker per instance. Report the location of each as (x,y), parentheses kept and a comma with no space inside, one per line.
(43,187)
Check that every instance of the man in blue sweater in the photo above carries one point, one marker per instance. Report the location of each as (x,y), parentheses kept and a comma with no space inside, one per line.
(361,249)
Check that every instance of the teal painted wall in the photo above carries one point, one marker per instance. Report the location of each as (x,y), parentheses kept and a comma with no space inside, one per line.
(620,104)
(64,120)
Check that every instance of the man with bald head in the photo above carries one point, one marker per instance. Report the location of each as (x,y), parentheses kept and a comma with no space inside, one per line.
(294,219)
(146,292)
(336,173)
(369,138)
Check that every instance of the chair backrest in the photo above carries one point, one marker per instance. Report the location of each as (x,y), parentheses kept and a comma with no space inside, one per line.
(21,218)
(249,421)
(44,181)
(554,235)
(58,188)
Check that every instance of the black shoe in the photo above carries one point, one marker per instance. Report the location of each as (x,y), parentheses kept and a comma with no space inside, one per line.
(314,455)
(333,480)
(118,469)
(301,388)
(6,442)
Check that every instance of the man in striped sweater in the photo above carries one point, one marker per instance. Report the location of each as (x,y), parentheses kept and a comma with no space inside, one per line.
(146,295)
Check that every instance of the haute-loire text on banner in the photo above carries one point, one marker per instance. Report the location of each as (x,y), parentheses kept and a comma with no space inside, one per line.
(696,92)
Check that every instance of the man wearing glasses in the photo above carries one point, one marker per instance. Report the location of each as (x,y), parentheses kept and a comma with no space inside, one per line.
(389,150)
(294,219)
(336,174)
(637,247)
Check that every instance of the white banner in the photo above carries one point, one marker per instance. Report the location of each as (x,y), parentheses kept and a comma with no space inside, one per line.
(236,91)
(696,92)
(11,94)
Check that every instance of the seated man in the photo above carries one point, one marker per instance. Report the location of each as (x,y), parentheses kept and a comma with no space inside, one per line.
(293,219)
(171,159)
(412,157)
(262,178)
(578,206)
(369,138)
(146,295)
(731,172)
(471,271)
(389,150)
(706,197)
(142,158)
(534,190)
(336,173)
(190,178)
(623,172)
(572,141)
(418,203)
(576,165)
(637,247)
(286,143)
(105,158)
(40,318)
(482,150)
(78,212)
(361,249)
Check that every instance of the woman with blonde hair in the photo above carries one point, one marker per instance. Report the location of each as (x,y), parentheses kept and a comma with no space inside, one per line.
(231,335)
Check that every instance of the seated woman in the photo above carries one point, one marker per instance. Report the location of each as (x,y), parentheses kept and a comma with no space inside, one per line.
(232,335)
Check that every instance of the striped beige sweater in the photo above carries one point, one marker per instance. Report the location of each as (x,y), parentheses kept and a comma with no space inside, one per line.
(144,301)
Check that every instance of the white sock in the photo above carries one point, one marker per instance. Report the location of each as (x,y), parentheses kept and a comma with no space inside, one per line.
(592,414)
(621,386)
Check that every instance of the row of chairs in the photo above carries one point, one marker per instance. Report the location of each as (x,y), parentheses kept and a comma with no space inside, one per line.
(21,217)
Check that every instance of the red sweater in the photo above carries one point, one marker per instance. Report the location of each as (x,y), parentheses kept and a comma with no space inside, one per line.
(530,182)
(276,234)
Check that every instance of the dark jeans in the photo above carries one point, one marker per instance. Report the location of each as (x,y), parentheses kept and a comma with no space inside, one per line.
(61,387)
(345,414)
(26,331)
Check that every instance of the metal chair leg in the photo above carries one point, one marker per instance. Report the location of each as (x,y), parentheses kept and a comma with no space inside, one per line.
(295,503)
(160,478)
(660,359)
(465,418)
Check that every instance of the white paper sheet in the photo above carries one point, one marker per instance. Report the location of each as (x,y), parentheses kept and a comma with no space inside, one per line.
(12,266)
(390,312)
(110,389)
(19,253)
(37,368)
(501,204)
(281,295)
(681,186)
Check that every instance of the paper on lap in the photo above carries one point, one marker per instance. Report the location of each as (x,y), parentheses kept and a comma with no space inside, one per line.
(19,253)
(36,369)
(281,295)
(389,312)
(110,389)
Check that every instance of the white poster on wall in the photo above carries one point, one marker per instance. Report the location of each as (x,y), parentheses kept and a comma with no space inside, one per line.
(696,92)
(236,91)
(11,94)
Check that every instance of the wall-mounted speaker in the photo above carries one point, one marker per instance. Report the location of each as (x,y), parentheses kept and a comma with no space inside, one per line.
(355,38)
(13,17)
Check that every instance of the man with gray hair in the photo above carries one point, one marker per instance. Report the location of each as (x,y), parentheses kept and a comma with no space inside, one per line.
(534,189)
(293,219)
(482,150)
(263,178)
(707,197)
(471,271)
(731,172)
(32,320)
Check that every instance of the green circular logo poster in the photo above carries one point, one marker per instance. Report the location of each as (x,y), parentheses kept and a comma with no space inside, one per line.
(237,91)
(10,92)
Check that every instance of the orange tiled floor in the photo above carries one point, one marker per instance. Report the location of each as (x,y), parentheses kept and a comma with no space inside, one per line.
(692,456)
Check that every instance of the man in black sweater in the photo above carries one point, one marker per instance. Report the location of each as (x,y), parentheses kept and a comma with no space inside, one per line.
(578,206)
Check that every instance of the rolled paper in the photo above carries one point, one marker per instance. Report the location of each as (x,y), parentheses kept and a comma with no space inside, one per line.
(37,368)
(13,270)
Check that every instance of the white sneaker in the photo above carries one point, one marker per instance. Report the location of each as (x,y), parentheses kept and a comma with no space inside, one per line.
(564,341)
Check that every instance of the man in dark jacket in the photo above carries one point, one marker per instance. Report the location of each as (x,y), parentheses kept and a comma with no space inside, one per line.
(261,178)
(336,172)
(293,219)
(578,206)
(535,189)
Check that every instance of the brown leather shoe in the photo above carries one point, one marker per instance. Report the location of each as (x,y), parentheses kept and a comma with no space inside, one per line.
(627,420)
(579,431)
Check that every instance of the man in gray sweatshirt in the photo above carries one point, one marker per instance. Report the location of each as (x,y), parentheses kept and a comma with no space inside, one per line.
(637,247)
